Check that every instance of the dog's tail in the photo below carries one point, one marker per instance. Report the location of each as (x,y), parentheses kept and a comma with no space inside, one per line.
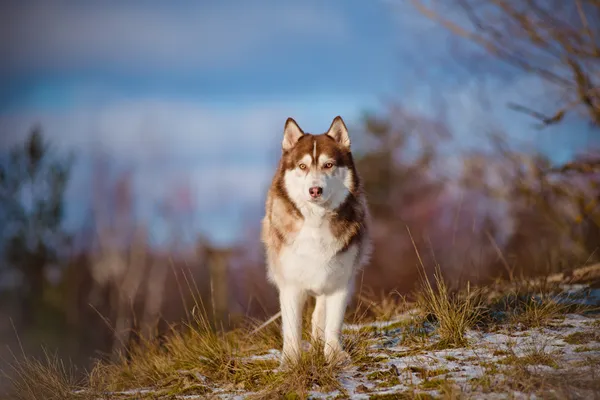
(266,323)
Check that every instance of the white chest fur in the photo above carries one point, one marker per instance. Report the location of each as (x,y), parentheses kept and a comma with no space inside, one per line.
(312,260)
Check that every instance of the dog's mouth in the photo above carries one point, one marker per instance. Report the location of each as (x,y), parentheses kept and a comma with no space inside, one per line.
(319,200)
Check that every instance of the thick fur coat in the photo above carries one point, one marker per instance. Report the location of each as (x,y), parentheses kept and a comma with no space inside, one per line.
(315,232)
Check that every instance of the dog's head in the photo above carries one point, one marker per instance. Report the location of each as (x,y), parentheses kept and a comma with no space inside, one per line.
(318,169)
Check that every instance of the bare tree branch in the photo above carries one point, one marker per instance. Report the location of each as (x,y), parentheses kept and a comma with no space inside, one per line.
(555,40)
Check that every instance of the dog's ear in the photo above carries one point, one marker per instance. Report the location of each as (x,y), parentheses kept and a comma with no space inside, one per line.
(339,132)
(291,134)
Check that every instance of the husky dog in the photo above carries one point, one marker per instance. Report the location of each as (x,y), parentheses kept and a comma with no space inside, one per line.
(315,233)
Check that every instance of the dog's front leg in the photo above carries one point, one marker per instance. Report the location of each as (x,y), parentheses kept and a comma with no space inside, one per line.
(335,308)
(318,320)
(291,301)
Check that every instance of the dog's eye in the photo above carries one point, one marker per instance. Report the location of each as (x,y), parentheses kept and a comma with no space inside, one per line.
(302,166)
(328,165)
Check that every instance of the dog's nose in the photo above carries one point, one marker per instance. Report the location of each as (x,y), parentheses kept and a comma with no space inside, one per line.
(315,192)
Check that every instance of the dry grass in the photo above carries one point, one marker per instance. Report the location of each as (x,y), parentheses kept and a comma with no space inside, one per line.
(193,361)
(415,333)
(50,379)
(197,349)
(197,359)
(532,311)
(545,383)
(189,361)
(379,307)
(455,312)
(534,355)
(311,372)
(527,304)
(582,337)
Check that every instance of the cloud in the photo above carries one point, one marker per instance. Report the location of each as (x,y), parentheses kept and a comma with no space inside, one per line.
(57,35)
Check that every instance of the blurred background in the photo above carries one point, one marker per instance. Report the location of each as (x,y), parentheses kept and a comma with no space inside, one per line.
(138,140)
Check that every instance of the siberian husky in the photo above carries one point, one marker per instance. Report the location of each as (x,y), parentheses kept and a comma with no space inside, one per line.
(315,232)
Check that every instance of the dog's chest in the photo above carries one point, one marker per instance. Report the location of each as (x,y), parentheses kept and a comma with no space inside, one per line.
(312,259)
(316,242)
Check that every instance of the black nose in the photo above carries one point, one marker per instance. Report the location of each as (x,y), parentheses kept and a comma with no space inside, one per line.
(315,191)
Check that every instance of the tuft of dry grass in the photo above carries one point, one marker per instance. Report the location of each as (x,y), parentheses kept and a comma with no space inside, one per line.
(535,355)
(556,384)
(582,337)
(455,312)
(533,311)
(381,307)
(311,372)
(415,333)
(47,379)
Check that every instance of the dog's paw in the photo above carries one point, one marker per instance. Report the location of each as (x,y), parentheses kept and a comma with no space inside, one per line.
(306,345)
(286,362)
(338,357)
(283,365)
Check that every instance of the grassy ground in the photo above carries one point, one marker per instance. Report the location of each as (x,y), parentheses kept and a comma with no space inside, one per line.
(493,342)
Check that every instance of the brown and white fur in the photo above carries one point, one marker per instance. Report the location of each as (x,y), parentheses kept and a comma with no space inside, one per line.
(315,233)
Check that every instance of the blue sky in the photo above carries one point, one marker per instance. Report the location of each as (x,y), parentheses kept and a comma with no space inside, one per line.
(198,92)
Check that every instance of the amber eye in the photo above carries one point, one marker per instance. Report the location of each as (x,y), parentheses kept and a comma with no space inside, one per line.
(328,165)
(302,166)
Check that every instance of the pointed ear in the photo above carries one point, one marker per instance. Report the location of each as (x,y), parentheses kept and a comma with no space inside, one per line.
(339,132)
(291,134)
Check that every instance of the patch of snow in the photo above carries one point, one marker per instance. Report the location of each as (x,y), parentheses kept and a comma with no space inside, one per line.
(272,354)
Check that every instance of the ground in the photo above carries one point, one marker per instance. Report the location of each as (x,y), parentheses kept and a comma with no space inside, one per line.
(521,345)
(567,348)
